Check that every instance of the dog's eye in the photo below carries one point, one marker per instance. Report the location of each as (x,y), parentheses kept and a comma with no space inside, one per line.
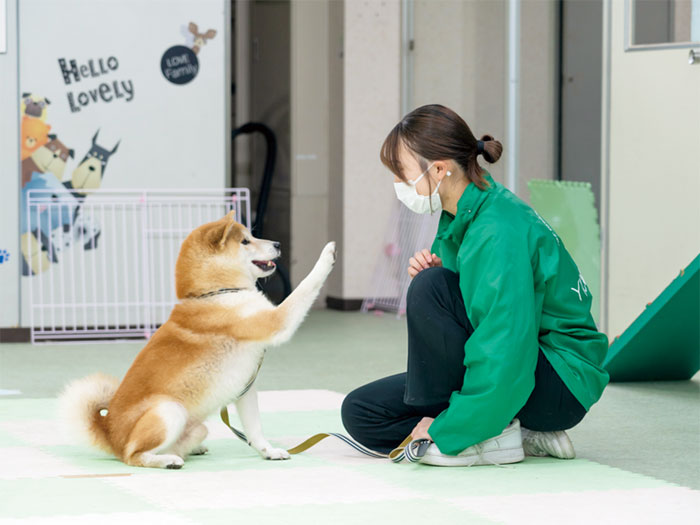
(245,241)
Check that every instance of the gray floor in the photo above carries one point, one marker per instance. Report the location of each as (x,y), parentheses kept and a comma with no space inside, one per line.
(649,428)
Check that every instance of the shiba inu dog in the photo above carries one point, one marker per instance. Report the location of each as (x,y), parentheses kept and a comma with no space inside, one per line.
(205,356)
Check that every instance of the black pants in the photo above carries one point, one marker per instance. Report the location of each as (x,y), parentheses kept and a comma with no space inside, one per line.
(381,414)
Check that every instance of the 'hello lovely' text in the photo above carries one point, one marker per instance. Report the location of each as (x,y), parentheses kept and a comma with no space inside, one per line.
(106,91)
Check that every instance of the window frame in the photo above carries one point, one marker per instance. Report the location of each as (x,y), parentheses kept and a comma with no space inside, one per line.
(629,35)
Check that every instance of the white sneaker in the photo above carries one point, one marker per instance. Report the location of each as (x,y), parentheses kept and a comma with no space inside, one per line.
(556,444)
(507,447)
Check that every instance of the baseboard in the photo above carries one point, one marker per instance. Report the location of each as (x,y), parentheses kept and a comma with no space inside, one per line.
(15,335)
(344,305)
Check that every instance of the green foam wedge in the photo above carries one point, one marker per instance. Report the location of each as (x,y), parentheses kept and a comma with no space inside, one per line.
(663,343)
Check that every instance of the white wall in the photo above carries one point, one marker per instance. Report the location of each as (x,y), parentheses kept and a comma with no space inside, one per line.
(336,14)
(489,85)
(538,95)
(445,56)
(460,62)
(309,135)
(653,179)
(344,101)
(9,171)
(371,108)
(168,135)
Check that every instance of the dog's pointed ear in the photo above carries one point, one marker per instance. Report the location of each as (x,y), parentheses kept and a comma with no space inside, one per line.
(230,223)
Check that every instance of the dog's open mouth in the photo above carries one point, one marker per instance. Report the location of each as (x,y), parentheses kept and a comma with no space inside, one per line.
(264,265)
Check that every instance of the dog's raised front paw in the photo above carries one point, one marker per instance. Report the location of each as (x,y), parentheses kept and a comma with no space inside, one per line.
(274,453)
(329,251)
(327,258)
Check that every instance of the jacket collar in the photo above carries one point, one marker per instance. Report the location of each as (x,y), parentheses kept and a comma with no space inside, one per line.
(454,228)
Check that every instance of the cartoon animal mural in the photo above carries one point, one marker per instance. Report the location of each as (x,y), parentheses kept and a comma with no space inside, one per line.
(88,175)
(36,228)
(35,133)
(200,39)
(34,106)
(51,157)
(51,229)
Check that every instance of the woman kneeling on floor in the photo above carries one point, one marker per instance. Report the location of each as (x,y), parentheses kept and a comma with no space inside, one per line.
(503,353)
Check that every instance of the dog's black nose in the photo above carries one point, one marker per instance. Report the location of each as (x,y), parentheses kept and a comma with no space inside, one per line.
(276,245)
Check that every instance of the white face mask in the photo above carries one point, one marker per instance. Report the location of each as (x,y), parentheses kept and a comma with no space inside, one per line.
(407,193)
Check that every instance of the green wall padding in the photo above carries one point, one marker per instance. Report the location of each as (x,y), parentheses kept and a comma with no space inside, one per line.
(569,208)
(663,343)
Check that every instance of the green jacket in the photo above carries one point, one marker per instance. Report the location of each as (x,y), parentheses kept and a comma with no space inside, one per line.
(522,291)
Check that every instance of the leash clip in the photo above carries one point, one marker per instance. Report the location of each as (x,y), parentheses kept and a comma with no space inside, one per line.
(416,449)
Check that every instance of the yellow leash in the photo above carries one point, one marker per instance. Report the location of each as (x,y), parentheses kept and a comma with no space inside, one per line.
(404,450)
(396,455)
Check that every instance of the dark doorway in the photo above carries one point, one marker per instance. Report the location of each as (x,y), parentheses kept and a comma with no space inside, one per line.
(581,36)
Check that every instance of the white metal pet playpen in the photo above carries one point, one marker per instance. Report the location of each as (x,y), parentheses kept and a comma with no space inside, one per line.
(101,266)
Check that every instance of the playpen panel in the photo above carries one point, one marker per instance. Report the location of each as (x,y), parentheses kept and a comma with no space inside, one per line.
(104,265)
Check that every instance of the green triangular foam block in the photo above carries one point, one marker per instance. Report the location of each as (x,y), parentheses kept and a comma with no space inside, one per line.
(569,208)
(663,343)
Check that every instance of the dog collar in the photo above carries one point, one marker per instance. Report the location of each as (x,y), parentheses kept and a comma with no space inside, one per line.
(220,291)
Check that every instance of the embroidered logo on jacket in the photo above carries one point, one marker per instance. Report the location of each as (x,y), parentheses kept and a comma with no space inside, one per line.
(581,286)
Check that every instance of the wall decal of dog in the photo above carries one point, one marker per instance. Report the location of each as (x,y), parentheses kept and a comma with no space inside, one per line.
(49,158)
(89,173)
(34,106)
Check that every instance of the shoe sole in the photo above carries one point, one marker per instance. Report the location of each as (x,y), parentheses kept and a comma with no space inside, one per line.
(564,446)
(496,457)
(556,444)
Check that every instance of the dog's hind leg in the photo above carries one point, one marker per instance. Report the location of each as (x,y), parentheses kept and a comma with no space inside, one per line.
(158,429)
(247,408)
(190,442)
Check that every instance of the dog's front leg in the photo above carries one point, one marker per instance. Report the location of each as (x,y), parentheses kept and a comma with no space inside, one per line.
(295,307)
(247,407)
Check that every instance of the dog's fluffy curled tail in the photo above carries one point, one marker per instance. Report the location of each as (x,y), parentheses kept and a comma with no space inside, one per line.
(80,405)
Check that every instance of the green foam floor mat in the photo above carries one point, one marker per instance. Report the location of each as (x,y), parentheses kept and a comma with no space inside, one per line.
(46,478)
(663,343)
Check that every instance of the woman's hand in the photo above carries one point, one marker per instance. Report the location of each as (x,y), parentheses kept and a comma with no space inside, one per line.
(422,260)
(420,431)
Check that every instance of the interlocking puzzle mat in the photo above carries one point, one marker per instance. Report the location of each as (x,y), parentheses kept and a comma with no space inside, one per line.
(569,208)
(663,343)
(46,479)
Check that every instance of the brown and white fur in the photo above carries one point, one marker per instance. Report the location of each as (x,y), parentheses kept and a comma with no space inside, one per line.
(202,358)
